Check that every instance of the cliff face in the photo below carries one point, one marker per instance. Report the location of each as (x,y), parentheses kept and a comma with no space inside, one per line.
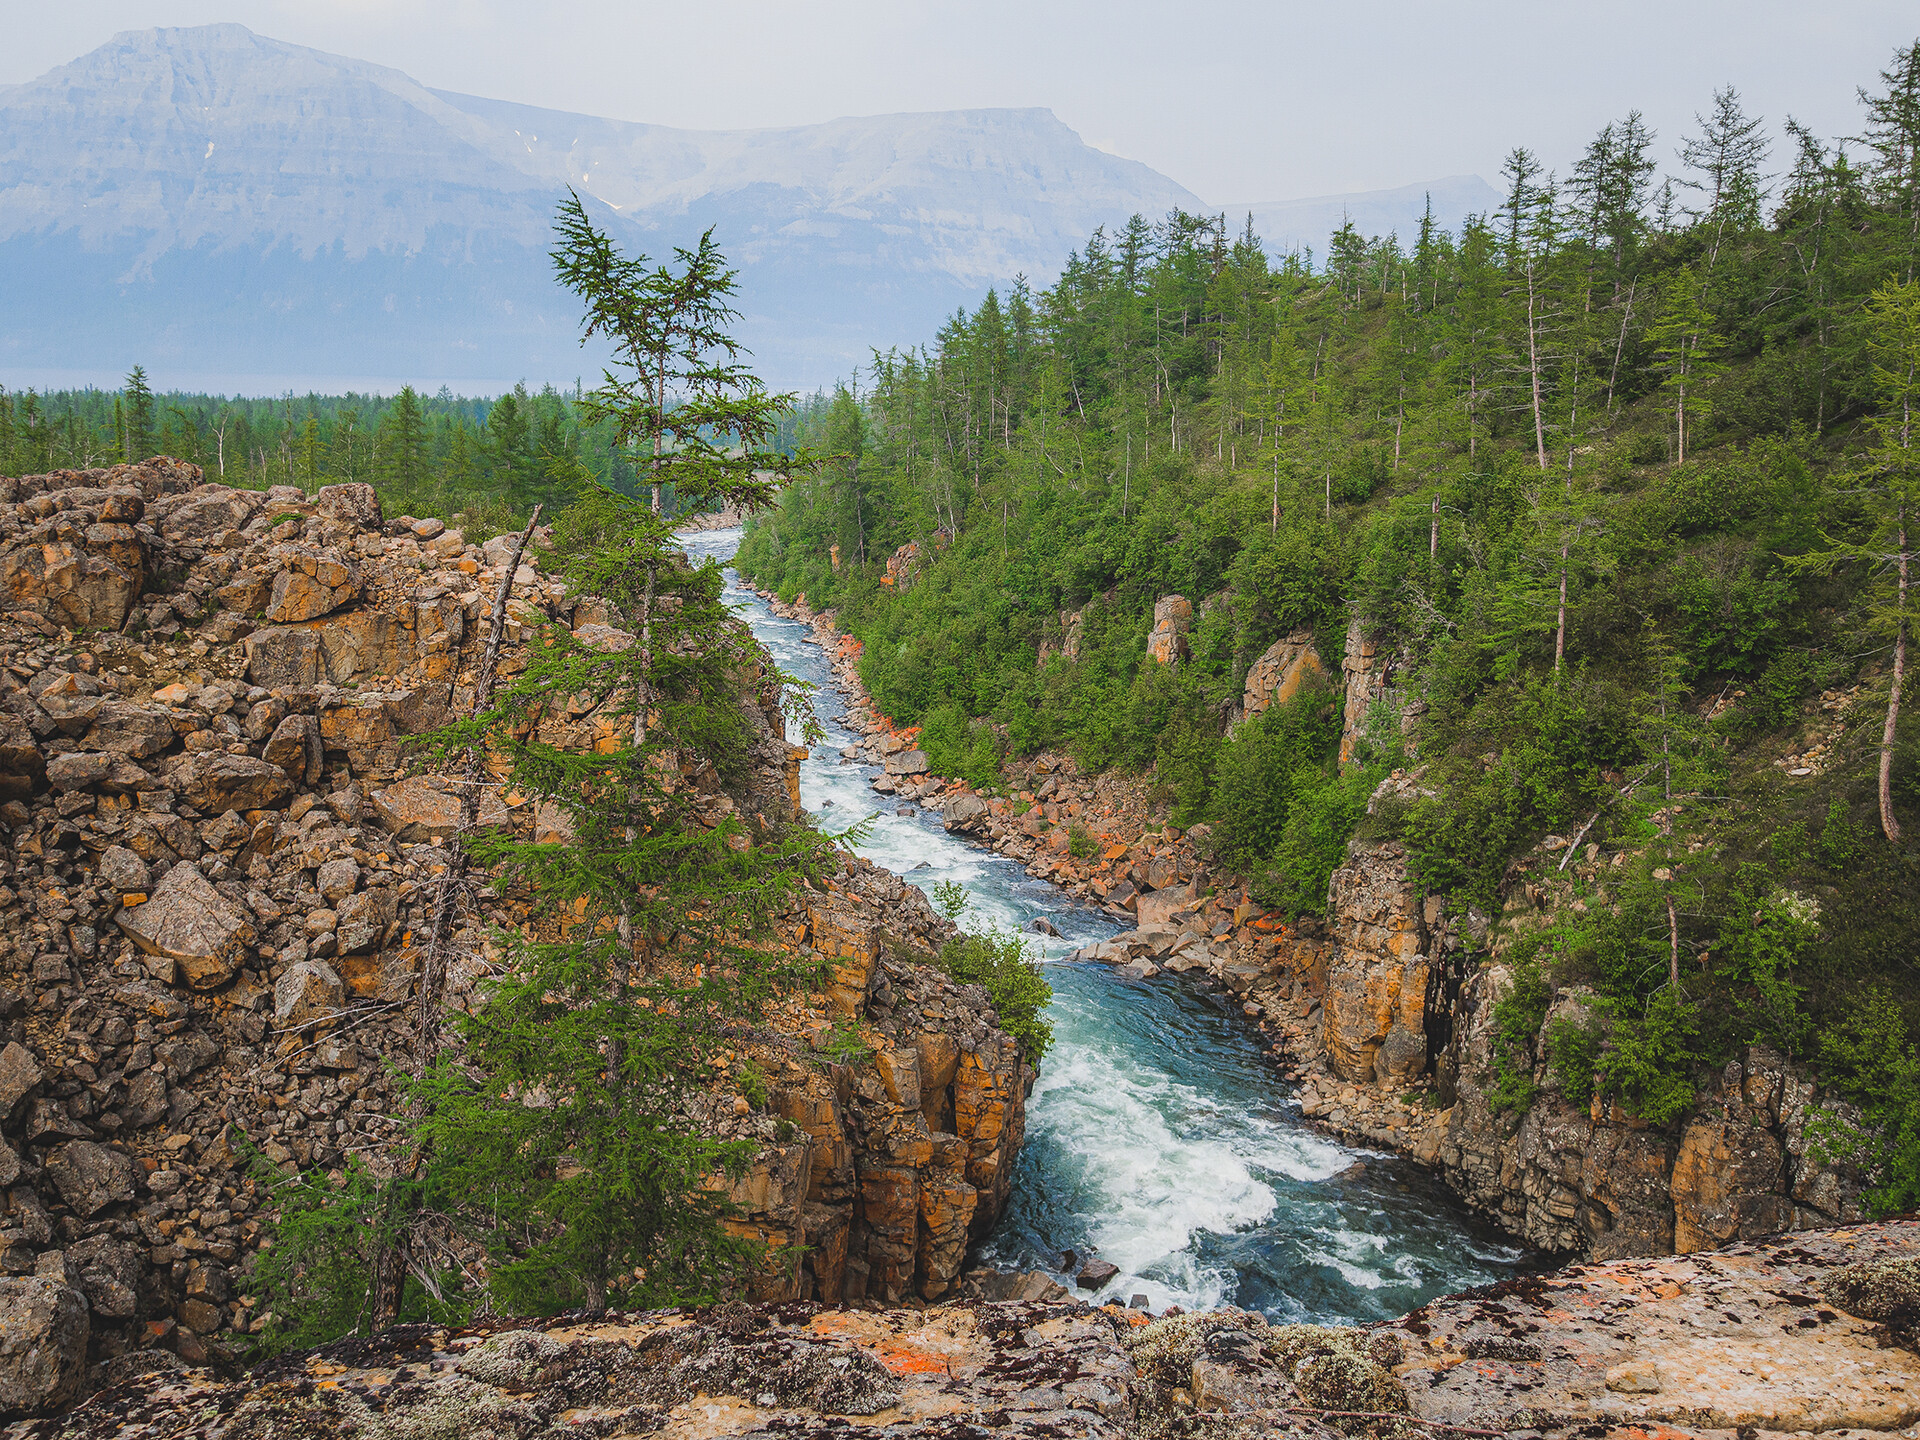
(1392,1008)
(217,878)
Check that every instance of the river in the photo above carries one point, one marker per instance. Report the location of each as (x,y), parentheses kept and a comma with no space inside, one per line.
(1158,1137)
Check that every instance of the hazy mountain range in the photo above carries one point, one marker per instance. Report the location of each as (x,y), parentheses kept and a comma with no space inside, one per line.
(238,213)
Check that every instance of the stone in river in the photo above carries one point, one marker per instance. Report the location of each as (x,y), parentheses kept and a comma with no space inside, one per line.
(1096,1273)
(1044,926)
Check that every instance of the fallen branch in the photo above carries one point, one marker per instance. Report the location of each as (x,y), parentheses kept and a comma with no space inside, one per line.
(1390,1415)
(1624,791)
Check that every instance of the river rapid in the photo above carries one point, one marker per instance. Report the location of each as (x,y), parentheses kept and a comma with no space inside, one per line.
(1158,1137)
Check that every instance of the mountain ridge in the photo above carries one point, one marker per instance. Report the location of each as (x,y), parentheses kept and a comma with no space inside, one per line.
(211,202)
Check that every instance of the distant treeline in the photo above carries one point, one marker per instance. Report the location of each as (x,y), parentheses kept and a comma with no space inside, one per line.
(429,454)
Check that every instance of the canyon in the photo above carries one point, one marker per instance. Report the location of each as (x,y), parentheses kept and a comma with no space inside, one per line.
(1382,1012)
(218,867)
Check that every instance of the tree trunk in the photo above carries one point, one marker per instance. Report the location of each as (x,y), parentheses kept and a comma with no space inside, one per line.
(1673,944)
(1560,630)
(1888,823)
(390,1265)
(1533,369)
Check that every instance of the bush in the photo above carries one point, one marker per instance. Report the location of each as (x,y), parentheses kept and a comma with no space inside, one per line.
(1287,749)
(1321,819)
(1649,1059)
(1517,1017)
(1013,982)
(317,1279)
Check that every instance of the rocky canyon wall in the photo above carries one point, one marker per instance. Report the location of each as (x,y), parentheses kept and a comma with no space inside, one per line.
(216,873)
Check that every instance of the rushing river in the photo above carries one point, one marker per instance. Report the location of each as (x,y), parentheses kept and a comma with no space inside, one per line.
(1157,1135)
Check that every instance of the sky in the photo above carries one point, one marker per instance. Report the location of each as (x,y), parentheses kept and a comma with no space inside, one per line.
(1237,100)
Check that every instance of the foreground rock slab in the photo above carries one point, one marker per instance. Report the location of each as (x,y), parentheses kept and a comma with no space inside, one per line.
(1709,1344)
(1056,1371)
(1749,1341)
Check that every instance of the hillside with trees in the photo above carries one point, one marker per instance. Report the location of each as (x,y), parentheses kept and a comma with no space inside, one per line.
(1624,474)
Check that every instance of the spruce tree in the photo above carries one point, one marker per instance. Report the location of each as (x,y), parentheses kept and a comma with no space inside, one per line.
(138,442)
(565,1129)
(403,450)
(564,1133)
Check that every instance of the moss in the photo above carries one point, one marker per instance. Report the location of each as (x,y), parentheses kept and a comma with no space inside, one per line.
(1338,1367)
(1883,1290)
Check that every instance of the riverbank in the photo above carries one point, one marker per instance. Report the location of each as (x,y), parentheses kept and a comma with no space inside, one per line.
(1183,916)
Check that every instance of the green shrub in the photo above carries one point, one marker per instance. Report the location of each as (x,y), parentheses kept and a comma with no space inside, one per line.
(1648,1064)
(316,1281)
(1517,1017)
(1573,1052)
(1321,818)
(1013,982)
(1871,1053)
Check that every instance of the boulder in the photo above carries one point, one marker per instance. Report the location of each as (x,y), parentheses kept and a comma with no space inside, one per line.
(108,1274)
(357,505)
(1285,665)
(193,925)
(72,701)
(98,770)
(1096,1273)
(963,812)
(310,585)
(19,1073)
(297,748)
(90,1177)
(74,569)
(363,920)
(215,783)
(338,879)
(307,994)
(336,649)
(43,1344)
(908,762)
(123,870)
(136,731)
(422,807)
(205,514)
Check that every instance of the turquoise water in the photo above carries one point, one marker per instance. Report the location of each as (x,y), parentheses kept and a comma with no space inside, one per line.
(1157,1135)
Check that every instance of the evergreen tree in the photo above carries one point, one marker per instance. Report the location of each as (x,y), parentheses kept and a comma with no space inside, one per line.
(138,442)
(1891,472)
(681,401)
(404,448)
(603,1193)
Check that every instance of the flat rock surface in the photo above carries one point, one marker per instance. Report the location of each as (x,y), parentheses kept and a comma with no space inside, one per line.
(1712,1343)
(1018,1369)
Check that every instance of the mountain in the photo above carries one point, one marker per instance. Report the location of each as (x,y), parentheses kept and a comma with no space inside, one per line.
(239,213)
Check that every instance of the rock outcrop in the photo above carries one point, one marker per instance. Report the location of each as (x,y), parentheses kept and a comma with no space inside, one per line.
(1813,1336)
(1283,667)
(215,874)
(1383,1004)
(1172,618)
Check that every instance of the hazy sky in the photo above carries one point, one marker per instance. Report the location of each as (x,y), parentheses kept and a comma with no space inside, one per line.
(1238,101)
